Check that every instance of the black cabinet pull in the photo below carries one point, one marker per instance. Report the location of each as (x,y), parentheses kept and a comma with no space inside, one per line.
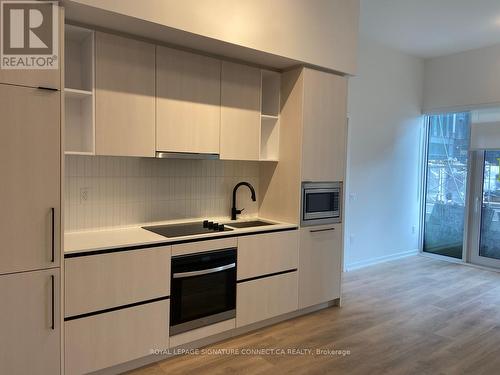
(53,321)
(321,230)
(53,234)
(47,88)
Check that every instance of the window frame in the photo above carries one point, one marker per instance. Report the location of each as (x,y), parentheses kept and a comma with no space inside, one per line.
(423,195)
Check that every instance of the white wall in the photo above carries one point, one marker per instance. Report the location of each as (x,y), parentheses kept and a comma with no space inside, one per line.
(384,154)
(463,80)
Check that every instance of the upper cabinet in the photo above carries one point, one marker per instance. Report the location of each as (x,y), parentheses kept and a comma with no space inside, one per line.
(188,102)
(324,126)
(125,96)
(240,112)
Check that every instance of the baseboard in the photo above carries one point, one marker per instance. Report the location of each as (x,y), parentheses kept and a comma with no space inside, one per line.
(369,262)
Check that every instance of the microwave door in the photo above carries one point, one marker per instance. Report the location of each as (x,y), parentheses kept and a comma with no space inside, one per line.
(320,203)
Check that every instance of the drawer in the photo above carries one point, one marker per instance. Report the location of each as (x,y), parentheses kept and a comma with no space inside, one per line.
(268,253)
(111,338)
(98,282)
(200,246)
(265,298)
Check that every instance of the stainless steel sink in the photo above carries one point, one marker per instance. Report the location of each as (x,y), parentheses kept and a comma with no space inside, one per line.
(248,224)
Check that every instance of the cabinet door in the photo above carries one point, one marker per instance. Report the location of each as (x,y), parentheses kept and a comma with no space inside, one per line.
(325,126)
(125,96)
(30,323)
(188,102)
(104,281)
(37,77)
(111,338)
(30,153)
(266,298)
(32,78)
(320,264)
(240,112)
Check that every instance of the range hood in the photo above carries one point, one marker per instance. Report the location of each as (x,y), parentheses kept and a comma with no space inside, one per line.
(186,155)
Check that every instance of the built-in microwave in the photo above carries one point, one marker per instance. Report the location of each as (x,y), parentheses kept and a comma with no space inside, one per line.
(321,203)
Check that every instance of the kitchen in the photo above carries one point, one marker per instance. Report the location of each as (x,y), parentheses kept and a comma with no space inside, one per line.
(180,197)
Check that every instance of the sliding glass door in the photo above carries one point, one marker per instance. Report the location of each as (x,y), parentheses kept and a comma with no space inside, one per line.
(448,137)
(485,217)
(461,211)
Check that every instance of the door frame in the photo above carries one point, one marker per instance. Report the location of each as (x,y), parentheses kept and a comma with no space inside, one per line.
(423,202)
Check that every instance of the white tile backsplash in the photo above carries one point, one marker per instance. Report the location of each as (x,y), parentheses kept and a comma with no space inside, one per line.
(125,191)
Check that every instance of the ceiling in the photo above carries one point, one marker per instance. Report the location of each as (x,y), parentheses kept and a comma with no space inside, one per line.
(431,28)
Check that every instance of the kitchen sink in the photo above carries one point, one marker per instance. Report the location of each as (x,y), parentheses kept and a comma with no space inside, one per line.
(248,224)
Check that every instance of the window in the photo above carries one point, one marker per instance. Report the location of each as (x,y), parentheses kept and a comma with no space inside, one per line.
(448,139)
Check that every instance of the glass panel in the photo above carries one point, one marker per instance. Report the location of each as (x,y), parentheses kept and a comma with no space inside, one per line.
(448,143)
(206,295)
(489,243)
(320,202)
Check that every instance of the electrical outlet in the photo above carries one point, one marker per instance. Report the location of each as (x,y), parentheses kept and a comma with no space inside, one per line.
(351,239)
(84,194)
(413,229)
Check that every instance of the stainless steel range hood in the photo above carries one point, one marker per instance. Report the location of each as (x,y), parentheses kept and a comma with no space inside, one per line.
(186,155)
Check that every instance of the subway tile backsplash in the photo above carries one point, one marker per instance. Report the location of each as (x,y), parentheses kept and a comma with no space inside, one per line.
(104,191)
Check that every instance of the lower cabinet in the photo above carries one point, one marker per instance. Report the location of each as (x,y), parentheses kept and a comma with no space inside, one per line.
(30,325)
(265,298)
(263,254)
(320,264)
(103,281)
(108,339)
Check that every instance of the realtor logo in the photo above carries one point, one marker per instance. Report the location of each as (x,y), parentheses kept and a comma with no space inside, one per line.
(29,34)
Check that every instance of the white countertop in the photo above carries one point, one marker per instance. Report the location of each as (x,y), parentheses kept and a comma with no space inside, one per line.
(117,237)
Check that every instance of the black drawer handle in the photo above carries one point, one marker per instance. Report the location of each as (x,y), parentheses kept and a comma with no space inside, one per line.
(47,88)
(321,230)
(53,320)
(53,234)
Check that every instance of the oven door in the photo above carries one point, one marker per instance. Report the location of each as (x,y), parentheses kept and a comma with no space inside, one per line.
(203,290)
(321,206)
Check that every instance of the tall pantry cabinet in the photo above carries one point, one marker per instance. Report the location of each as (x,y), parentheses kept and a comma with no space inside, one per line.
(30,226)
(313,139)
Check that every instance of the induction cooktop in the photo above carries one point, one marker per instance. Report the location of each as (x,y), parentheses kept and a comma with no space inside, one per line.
(187,229)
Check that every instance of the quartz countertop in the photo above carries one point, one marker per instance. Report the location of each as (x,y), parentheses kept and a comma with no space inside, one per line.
(131,236)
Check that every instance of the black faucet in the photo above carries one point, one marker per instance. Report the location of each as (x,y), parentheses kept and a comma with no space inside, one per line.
(234,210)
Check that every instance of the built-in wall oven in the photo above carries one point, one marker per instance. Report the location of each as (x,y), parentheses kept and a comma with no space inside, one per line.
(203,289)
(321,203)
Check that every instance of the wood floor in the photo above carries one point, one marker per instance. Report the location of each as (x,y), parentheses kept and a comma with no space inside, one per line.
(411,316)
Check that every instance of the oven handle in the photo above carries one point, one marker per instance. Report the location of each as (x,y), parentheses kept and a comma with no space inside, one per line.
(203,272)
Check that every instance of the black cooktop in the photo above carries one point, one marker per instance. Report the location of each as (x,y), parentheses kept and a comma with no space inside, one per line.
(187,229)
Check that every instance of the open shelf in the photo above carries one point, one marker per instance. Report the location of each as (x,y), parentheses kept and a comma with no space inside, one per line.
(271,81)
(269,139)
(269,118)
(79,120)
(79,58)
(79,91)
